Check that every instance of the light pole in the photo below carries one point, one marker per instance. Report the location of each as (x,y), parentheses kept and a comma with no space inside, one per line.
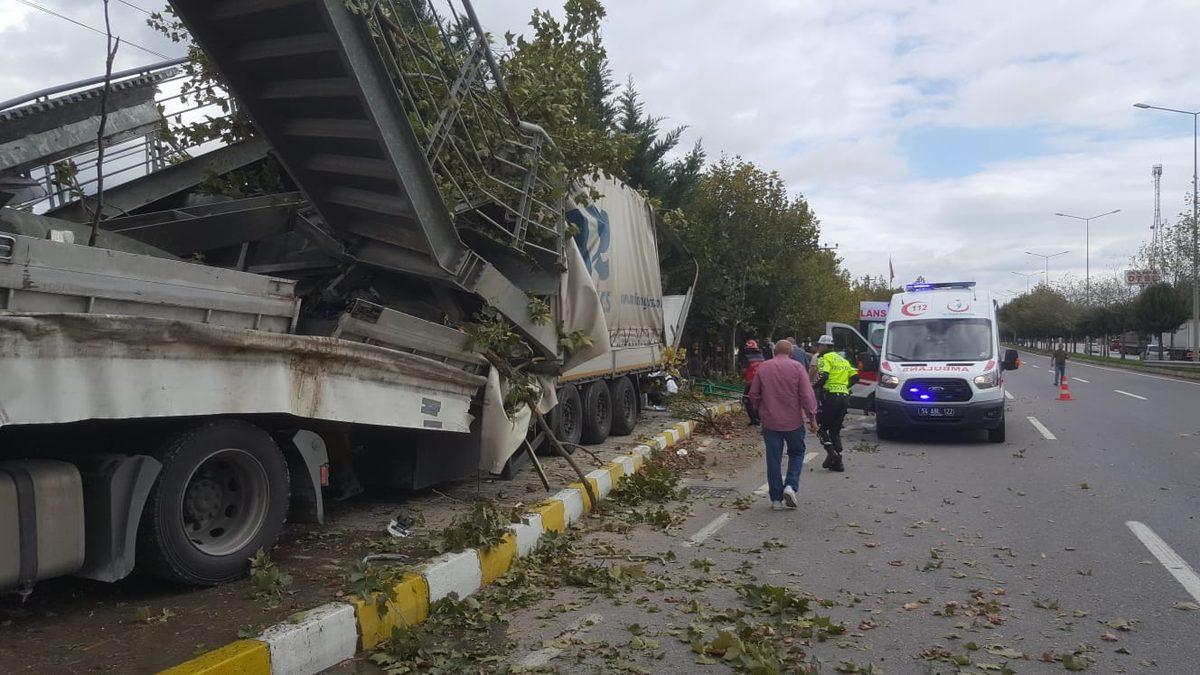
(1026,275)
(1087,247)
(1195,248)
(1047,259)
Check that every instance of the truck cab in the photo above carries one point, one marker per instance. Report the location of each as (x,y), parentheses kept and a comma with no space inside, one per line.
(941,365)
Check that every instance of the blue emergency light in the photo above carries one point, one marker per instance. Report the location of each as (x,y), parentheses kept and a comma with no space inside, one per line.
(911,288)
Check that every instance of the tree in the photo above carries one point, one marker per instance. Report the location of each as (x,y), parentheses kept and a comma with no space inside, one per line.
(557,78)
(1044,313)
(671,183)
(745,232)
(1161,308)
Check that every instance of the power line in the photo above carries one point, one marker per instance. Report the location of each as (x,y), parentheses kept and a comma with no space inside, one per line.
(140,9)
(91,28)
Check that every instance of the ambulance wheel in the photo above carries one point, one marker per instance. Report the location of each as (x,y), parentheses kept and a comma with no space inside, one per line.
(884,433)
(597,412)
(626,406)
(996,435)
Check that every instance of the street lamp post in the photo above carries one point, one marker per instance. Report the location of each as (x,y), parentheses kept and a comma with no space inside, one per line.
(1195,248)
(1047,259)
(1026,275)
(1087,247)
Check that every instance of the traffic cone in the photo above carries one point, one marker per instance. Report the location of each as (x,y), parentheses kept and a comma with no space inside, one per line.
(1064,392)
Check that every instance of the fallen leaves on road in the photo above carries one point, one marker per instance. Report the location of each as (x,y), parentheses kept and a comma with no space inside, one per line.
(1186,606)
(1108,636)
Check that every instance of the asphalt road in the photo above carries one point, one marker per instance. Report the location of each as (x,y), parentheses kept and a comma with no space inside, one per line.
(1081,528)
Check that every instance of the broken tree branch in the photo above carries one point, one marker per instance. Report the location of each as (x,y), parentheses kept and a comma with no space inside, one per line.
(563,453)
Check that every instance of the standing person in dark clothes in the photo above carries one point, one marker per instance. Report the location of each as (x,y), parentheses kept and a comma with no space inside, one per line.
(750,358)
(798,353)
(1060,364)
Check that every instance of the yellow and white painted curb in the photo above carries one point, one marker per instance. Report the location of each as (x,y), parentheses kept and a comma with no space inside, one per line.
(312,641)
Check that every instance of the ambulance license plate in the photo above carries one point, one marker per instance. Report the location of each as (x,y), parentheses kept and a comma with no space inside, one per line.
(939,413)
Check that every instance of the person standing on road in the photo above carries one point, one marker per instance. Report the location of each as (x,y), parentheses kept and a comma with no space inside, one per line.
(798,353)
(1060,364)
(833,381)
(784,397)
(749,360)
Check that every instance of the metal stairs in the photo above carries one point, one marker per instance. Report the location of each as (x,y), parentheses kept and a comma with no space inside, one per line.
(312,76)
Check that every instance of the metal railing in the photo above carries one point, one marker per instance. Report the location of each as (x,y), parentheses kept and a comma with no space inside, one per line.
(67,179)
(491,168)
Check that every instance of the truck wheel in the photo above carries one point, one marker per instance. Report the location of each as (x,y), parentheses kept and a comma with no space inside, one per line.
(626,406)
(597,412)
(222,494)
(996,435)
(570,416)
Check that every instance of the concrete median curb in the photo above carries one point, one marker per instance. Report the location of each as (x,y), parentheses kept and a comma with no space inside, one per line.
(312,641)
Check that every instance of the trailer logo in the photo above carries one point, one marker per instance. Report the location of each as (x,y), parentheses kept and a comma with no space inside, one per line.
(915,308)
(958,306)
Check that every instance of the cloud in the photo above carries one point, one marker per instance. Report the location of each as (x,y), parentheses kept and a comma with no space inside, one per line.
(943,134)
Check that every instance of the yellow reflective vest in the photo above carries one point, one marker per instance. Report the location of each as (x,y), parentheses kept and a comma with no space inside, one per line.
(837,372)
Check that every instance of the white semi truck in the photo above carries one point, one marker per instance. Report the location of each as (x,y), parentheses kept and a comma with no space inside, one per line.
(214,368)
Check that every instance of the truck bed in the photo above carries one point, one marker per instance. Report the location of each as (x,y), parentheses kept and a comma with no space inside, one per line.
(58,368)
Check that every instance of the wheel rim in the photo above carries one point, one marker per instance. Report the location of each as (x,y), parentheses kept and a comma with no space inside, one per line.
(569,420)
(225,502)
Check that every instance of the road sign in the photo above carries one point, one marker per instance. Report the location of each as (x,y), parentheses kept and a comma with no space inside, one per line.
(1142,277)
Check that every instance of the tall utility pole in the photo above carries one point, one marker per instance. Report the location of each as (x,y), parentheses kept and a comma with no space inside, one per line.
(1047,259)
(1087,254)
(1156,227)
(1195,242)
(1026,275)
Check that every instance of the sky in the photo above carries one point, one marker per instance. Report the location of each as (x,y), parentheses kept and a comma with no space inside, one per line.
(943,135)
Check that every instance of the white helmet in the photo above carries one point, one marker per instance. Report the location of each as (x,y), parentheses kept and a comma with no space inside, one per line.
(825,340)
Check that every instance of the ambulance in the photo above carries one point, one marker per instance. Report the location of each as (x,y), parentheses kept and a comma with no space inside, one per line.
(941,365)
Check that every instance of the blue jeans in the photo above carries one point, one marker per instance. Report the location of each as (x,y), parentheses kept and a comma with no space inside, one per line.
(795,453)
(1060,374)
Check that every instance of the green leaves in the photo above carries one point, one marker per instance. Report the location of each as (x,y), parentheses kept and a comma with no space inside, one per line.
(774,600)
(483,527)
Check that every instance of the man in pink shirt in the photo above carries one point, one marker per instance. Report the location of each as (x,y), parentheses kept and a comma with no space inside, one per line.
(783,396)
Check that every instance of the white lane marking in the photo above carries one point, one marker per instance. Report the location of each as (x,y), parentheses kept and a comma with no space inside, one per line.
(1166,555)
(1080,379)
(1041,428)
(809,456)
(709,529)
(541,657)
(1142,398)
(1008,395)
(1124,371)
(1035,365)
(762,489)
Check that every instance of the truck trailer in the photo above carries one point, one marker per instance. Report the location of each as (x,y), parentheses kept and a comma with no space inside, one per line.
(215,366)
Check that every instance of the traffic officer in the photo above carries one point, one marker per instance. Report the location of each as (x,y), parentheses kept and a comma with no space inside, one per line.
(833,387)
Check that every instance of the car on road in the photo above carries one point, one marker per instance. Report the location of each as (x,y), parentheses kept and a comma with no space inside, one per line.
(941,366)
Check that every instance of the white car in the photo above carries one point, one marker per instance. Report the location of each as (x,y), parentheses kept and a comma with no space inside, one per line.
(941,366)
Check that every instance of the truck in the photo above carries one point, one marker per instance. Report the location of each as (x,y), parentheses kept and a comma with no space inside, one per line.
(942,366)
(1176,345)
(214,367)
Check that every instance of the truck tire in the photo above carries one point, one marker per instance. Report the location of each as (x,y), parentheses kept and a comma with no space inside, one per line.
(597,412)
(996,435)
(625,404)
(569,416)
(221,496)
